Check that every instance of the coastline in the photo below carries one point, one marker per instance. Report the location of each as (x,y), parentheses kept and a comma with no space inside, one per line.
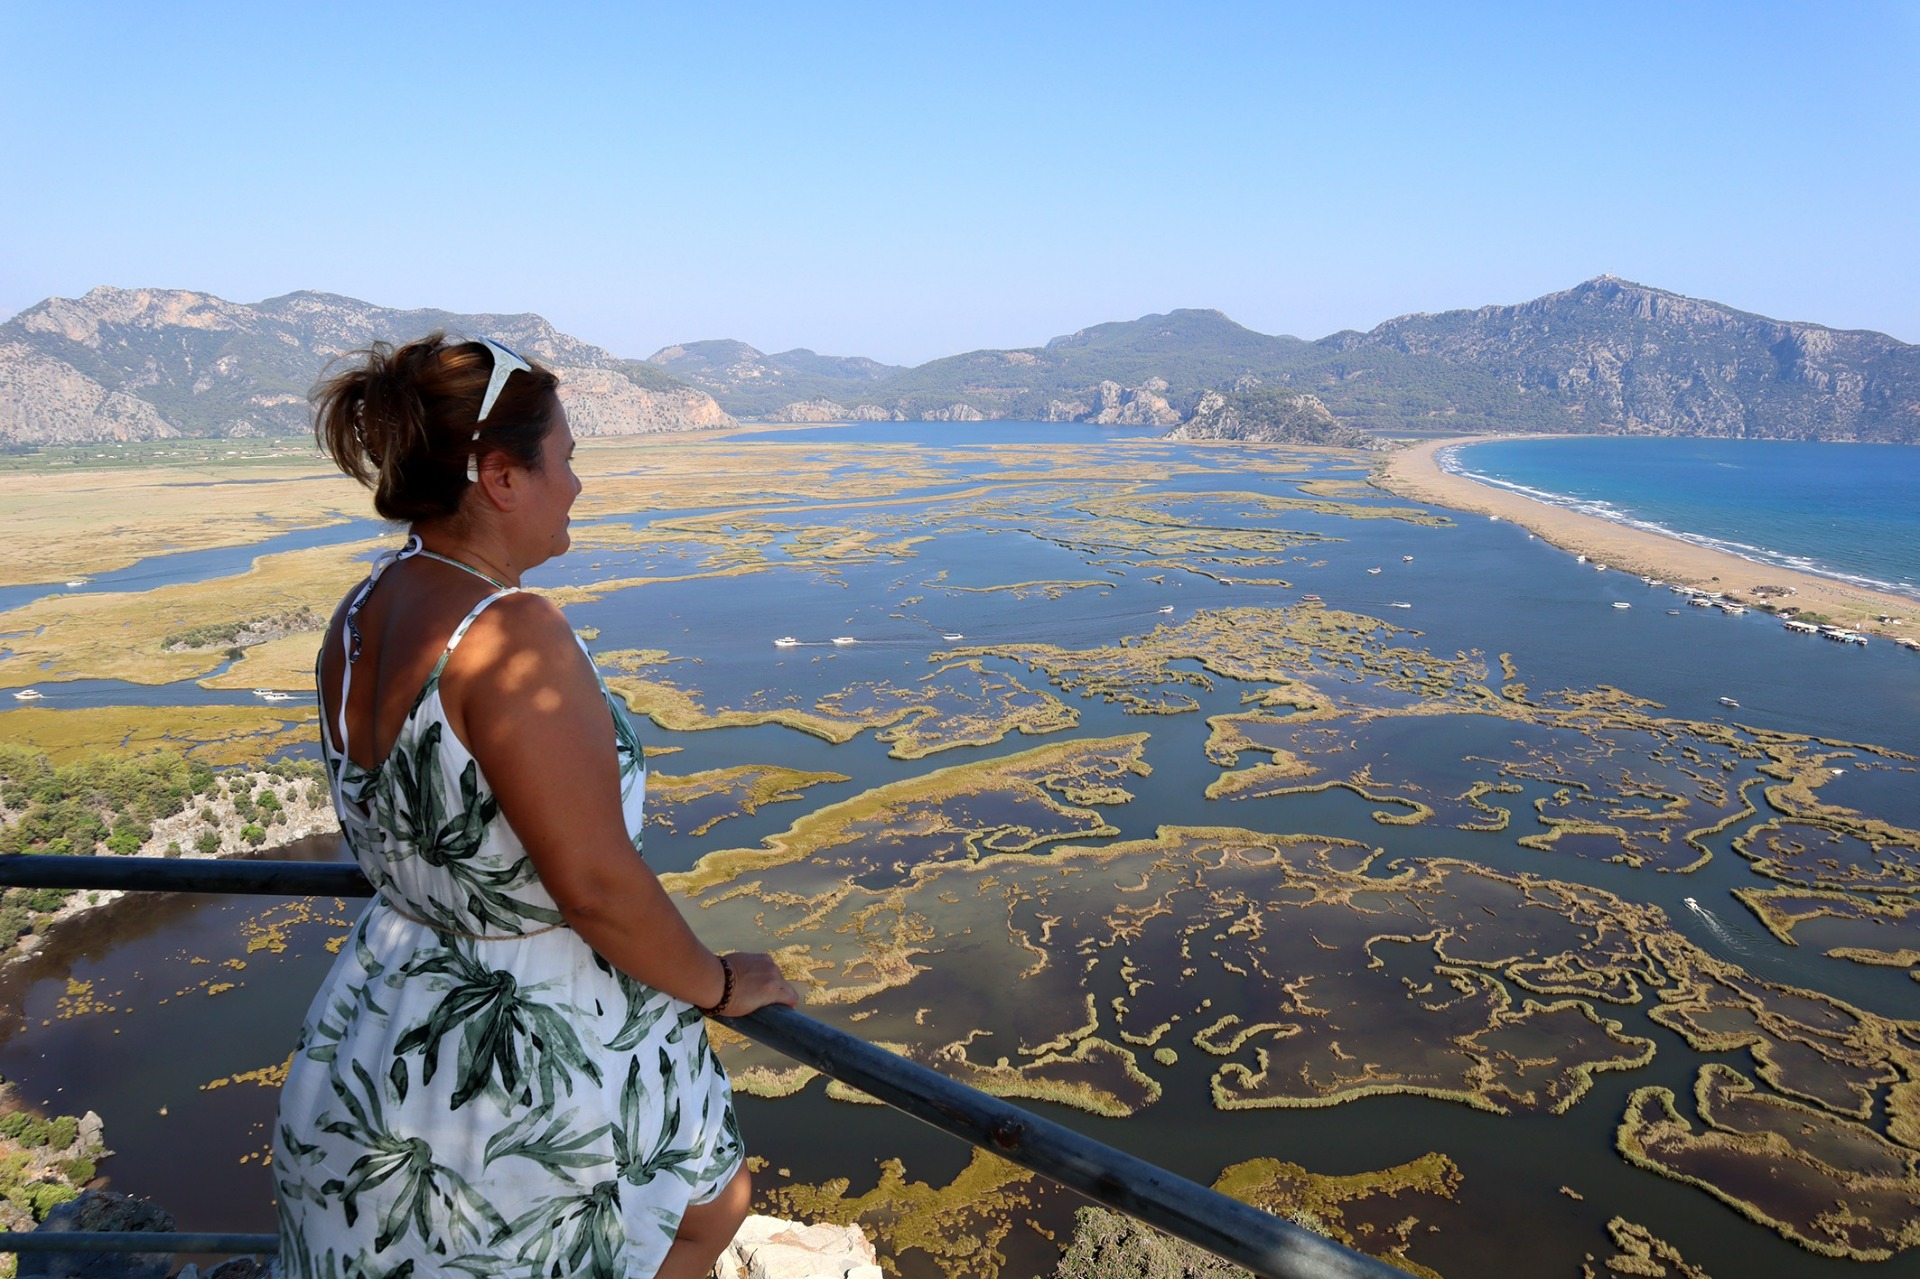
(1413,473)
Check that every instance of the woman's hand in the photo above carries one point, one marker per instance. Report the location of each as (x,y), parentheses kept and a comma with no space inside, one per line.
(756,983)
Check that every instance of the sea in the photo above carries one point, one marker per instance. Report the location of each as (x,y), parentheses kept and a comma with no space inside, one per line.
(1844,511)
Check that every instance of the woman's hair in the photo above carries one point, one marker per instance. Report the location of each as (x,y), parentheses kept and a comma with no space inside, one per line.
(401,420)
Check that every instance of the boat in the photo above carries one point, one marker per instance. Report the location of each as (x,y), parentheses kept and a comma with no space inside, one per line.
(1373,570)
(1406,559)
(785,641)
(952,635)
(275,696)
(1309,599)
(78,581)
(1728,701)
(261,692)
(1673,612)
(28,695)
(1580,559)
(1599,568)
(845,639)
(1166,608)
(1800,628)
(1699,601)
(1401,604)
(1730,608)
(1621,604)
(1691,903)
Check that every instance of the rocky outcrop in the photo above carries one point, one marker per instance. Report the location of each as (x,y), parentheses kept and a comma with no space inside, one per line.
(1110,404)
(954,413)
(137,364)
(771,1248)
(1270,416)
(828,411)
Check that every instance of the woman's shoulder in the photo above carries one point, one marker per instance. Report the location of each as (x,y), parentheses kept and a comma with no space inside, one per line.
(516,629)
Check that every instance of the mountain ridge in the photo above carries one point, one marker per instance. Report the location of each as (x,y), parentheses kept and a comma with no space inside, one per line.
(164,363)
(1604,356)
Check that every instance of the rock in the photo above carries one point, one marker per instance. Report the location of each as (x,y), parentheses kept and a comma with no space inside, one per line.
(102,1210)
(772,1248)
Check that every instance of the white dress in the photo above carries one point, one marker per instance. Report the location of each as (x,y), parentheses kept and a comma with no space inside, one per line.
(475,1091)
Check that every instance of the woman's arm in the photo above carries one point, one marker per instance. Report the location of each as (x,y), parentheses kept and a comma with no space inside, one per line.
(524,698)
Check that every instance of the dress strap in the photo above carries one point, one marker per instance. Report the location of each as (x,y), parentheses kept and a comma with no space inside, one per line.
(460,631)
(350,644)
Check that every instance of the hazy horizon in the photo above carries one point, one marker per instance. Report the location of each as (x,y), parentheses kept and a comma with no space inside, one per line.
(904,185)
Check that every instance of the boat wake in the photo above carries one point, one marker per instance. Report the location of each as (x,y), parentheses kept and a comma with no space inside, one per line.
(1721,942)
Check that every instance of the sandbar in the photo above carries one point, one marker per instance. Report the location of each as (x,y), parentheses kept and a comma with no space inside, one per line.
(1412,472)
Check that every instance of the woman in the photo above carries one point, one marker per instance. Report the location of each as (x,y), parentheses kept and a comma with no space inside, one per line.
(506,1072)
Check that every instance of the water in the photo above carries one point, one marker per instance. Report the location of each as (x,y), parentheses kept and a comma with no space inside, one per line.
(1473,586)
(1846,511)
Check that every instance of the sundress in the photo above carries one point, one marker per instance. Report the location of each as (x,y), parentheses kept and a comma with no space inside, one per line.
(475,1091)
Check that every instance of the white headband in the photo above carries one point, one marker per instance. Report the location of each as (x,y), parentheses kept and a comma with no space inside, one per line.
(504,364)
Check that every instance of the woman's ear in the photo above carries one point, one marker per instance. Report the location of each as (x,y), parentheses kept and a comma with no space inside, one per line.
(502,482)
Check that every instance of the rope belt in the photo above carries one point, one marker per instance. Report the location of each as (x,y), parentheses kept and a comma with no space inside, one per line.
(455,932)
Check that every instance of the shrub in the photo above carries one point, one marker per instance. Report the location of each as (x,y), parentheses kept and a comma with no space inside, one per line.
(61,1131)
(79,1171)
(254,833)
(208,843)
(173,848)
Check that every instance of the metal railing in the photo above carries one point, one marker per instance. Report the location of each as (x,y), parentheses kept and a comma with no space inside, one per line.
(1265,1244)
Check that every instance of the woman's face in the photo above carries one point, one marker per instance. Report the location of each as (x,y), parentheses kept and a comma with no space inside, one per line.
(553,488)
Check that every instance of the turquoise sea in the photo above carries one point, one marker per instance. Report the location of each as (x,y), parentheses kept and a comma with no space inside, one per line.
(1847,511)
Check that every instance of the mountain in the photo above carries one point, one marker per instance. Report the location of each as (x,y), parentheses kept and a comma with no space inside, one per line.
(159,363)
(759,385)
(1612,357)
(1607,356)
(1604,357)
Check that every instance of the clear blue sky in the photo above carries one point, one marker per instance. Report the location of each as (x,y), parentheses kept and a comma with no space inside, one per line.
(908,180)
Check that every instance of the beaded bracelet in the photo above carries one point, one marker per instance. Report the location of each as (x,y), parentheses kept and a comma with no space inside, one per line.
(726,988)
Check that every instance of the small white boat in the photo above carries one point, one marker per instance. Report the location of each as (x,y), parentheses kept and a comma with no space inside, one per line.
(845,639)
(1167,608)
(78,581)
(1406,559)
(950,636)
(1309,599)
(785,641)
(261,692)
(1621,604)
(1691,903)
(1373,570)
(1401,604)
(273,696)
(1580,559)
(1673,612)
(1728,701)
(28,695)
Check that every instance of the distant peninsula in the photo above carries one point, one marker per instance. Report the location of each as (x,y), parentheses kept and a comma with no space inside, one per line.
(1606,357)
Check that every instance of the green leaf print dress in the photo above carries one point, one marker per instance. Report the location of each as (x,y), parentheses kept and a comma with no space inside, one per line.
(475,1091)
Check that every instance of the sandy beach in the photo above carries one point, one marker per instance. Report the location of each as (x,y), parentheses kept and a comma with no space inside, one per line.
(1413,473)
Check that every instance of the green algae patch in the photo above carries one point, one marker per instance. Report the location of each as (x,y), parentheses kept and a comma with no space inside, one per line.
(944,814)
(1881,929)
(125,636)
(217,735)
(701,801)
(1641,1252)
(1831,1185)
(957,1228)
(1385,1213)
(962,703)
